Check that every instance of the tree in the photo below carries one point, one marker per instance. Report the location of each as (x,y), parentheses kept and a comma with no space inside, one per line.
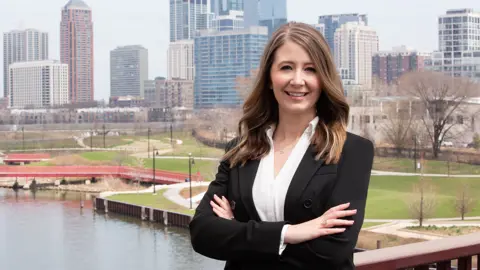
(464,202)
(423,202)
(440,98)
(120,157)
(397,127)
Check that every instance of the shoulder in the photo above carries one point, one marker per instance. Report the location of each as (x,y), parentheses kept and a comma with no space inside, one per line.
(357,144)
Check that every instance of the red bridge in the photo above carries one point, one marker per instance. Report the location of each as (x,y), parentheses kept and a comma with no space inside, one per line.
(131,173)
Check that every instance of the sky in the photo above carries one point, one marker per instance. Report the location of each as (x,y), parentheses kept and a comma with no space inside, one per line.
(146,22)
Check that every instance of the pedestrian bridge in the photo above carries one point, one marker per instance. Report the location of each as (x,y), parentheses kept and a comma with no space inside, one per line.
(124,172)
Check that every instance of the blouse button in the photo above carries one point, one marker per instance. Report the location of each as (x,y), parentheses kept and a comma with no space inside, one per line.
(307,203)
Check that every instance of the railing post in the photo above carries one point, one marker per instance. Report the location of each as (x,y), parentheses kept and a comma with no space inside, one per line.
(465,263)
(446,265)
(105,202)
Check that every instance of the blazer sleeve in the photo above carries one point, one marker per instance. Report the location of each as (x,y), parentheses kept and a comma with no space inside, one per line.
(223,239)
(352,186)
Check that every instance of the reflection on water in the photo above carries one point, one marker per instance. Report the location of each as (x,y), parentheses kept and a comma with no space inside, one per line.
(49,230)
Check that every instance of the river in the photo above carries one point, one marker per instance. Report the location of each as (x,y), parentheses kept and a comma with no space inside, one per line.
(48,230)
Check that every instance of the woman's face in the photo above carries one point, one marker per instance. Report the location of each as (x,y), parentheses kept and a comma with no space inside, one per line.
(295,81)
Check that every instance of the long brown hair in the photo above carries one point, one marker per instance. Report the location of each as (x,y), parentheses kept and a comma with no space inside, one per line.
(260,110)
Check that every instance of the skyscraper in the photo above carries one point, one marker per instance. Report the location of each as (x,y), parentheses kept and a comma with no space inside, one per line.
(222,56)
(355,44)
(458,32)
(269,13)
(180,60)
(250,13)
(76,49)
(38,83)
(232,21)
(459,44)
(128,71)
(188,16)
(223,7)
(333,22)
(22,46)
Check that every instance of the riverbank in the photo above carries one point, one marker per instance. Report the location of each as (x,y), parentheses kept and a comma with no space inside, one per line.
(108,184)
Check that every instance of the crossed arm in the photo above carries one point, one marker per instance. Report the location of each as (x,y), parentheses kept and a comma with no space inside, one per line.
(224,239)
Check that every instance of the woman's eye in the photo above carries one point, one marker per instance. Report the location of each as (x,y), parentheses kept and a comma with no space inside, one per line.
(310,69)
(286,68)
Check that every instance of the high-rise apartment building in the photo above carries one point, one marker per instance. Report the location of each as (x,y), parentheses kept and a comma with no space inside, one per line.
(180,60)
(333,22)
(459,31)
(269,13)
(176,93)
(38,83)
(22,46)
(128,71)
(187,17)
(355,44)
(222,56)
(251,15)
(320,28)
(389,66)
(77,50)
(223,7)
(459,44)
(232,21)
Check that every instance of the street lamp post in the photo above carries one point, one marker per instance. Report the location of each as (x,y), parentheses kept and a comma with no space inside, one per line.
(153,153)
(23,138)
(415,153)
(191,162)
(91,138)
(171,134)
(103,135)
(148,143)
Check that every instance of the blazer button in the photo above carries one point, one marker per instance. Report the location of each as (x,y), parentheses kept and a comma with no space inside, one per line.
(307,203)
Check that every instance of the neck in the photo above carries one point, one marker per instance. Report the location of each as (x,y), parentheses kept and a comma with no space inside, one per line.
(291,126)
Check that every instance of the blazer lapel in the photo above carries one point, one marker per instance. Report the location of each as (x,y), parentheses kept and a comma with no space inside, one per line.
(246,178)
(304,173)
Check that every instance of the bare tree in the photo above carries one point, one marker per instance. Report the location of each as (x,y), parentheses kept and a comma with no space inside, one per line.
(139,165)
(440,98)
(423,202)
(465,201)
(397,127)
(120,157)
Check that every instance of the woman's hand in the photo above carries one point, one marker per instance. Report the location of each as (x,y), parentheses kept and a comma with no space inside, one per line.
(320,226)
(221,207)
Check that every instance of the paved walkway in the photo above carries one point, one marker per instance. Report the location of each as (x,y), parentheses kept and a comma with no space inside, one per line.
(398,227)
(375,172)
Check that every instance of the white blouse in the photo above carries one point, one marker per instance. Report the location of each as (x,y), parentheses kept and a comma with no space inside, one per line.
(268,191)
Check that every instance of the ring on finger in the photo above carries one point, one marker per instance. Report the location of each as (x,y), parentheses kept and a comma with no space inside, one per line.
(324,222)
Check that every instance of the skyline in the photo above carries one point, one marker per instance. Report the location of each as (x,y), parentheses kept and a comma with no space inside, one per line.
(147,23)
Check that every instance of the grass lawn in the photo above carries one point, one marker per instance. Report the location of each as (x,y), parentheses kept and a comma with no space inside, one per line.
(37,144)
(430,166)
(148,199)
(206,167)
(389,196)
(110,141)
(189,145)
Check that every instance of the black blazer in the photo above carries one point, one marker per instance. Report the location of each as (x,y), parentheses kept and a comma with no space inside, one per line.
(249,243)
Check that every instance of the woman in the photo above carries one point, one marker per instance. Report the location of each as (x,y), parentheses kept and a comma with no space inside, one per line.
(290,191)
